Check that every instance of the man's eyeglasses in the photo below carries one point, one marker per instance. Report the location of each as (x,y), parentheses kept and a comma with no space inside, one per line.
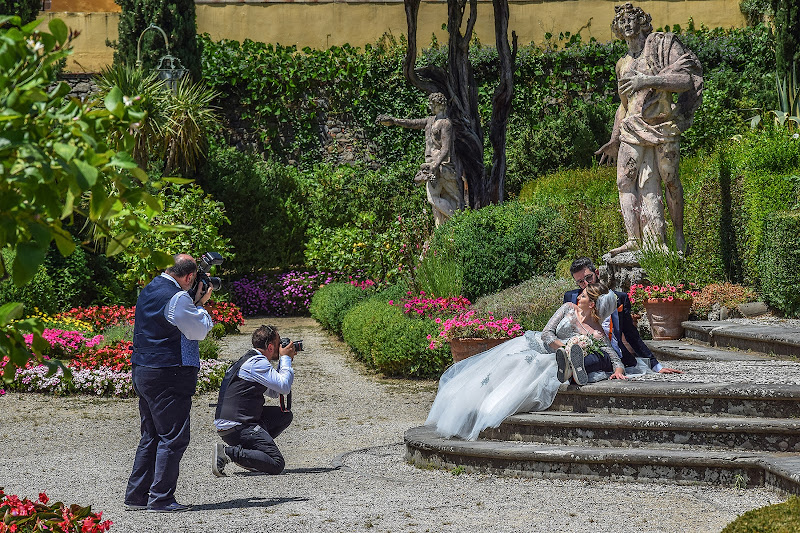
(587,279)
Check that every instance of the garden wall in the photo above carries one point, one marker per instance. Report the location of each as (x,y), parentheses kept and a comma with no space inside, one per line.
(321,24)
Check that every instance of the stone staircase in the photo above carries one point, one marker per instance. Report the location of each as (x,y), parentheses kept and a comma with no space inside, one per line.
(741,433)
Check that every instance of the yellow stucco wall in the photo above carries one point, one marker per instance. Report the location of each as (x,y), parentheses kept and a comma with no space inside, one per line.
(324,24)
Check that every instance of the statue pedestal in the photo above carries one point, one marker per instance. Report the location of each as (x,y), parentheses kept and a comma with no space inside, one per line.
(621,271)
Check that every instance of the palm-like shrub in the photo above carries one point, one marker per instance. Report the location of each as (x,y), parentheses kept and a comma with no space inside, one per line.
(175,126)
(155,101)
(191,119)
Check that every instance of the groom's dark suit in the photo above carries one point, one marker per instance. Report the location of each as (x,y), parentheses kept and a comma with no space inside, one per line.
(622,324)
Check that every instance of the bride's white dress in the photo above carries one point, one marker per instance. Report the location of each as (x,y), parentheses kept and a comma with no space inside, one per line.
(516,376)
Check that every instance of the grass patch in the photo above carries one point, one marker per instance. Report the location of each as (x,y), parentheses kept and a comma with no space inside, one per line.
(780,518)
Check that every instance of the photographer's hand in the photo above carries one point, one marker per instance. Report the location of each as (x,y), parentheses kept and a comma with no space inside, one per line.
(288,350)
(206,296)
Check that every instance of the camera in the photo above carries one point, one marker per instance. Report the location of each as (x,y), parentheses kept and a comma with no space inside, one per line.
(207,260)
(298,345)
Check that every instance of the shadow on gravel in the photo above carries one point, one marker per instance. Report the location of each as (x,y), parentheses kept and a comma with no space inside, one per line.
(312,470)
(242,503)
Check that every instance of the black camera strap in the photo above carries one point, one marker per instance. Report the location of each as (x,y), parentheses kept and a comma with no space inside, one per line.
(287,406)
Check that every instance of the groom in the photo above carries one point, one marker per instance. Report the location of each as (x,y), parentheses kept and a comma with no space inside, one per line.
(584,272)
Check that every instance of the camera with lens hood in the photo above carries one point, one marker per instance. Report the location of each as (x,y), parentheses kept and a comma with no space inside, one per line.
(204,264)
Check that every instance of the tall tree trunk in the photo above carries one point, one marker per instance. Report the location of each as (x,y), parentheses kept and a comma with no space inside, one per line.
(457,83)
(501,102)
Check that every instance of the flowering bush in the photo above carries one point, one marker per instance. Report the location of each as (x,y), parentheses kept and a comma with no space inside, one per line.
(638,293)
(225,313)
(65,344)
(430,307)
(24,516)
(468,325)
(100,317)
(102,380)
(728,295)
(62,321)
(289,293)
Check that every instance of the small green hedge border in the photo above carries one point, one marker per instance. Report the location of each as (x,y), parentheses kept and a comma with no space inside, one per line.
(779,260)
(779,518)
(331,302)
(385,338)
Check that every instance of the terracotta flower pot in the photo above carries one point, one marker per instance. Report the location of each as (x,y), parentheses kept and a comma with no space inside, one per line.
(463,348)
(665,317)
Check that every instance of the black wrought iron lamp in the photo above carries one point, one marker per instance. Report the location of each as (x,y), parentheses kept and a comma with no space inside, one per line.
(169,67)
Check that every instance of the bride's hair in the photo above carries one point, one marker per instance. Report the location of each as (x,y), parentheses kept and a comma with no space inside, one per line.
(604,300)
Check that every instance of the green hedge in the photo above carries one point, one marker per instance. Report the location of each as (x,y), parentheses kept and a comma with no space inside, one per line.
(331,302)
(727,193)
(267,227)
(779,260)
(588,200)
(501,245)
(383,337)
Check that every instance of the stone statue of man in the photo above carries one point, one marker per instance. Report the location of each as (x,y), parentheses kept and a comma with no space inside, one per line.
(645,140)
(440,172)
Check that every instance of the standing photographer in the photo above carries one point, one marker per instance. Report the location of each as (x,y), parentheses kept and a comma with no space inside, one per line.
(242,420)
(167,328)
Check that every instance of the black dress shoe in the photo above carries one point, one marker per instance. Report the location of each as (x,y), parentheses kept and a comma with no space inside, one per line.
(173,507)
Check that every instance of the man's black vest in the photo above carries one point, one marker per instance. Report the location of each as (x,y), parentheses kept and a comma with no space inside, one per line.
(156,342)
(240,400)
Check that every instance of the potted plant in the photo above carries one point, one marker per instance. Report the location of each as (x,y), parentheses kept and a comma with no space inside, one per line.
(667,298)
(469,333)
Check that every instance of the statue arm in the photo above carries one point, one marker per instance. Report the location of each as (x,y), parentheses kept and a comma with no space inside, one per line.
(608,152)
(412,123)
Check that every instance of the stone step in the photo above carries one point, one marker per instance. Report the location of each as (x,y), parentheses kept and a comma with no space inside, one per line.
(660,431)
(768,339)
(682,398)
(694,350)
(781,471)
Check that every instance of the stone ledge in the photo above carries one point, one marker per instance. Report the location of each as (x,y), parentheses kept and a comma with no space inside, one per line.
(704,399)
(602,429)
(667,350)
(768,339)
(780,471)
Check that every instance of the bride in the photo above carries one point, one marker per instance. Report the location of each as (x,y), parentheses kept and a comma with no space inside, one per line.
(523,374)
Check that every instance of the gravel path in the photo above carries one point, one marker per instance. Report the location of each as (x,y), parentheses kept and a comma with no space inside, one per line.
(345,468)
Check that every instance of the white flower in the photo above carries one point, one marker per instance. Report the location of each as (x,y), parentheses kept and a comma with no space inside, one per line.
(35,45)
(796,136)
(127,101)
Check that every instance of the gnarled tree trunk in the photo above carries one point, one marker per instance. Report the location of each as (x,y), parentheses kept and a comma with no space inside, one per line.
(457,83)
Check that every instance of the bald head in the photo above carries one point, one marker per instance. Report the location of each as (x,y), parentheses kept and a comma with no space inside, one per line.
(184,264)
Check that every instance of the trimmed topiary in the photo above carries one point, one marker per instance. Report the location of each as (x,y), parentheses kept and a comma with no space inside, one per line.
(778,262)
(383,337)
(331,302)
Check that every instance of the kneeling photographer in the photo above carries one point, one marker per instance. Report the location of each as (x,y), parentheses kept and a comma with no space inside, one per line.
(247,426)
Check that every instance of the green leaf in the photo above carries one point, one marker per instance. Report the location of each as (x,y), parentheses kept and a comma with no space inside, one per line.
(59,30)
(162,260)
(113,102)
(87,174)
(26,263)
(64,242)
(65,151)
(9,312)
(178,181)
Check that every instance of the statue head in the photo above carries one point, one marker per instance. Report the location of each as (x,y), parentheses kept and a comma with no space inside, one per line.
(437,100)
(626,12)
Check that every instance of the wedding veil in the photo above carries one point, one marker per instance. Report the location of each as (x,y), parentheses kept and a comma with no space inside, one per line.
(606,304)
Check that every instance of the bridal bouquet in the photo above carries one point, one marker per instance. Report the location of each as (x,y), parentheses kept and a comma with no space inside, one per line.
(587,343)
